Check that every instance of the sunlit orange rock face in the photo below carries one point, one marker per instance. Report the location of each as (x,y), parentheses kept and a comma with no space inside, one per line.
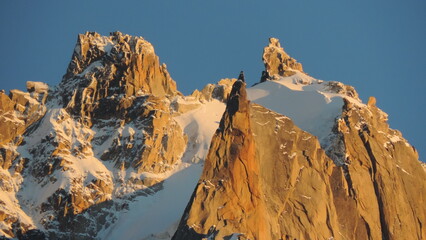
(264,178)
(75,156)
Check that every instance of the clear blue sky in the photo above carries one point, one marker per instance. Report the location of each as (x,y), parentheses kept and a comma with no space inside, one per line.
(376,46)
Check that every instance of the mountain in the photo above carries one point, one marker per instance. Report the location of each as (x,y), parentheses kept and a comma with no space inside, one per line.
(266,178)
(116,151)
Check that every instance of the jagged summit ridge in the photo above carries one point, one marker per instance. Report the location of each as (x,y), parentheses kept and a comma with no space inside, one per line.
(132,54)
(112,71)
(116,65)
(79,155)
(356,182)
(277,61)
(105,135)
(115,146)
(314,105)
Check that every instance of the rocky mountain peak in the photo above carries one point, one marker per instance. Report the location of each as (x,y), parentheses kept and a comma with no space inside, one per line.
(237,101)
(105,132)
(115,151)
(92,46)
(241,76)
(265,178)
(19,109)
(229,182)
(112,71)
(277,61)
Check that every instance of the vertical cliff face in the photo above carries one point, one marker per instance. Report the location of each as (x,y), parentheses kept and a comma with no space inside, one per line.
(227,198)
(385,180)
(275,184)
(260,176)
(377,185)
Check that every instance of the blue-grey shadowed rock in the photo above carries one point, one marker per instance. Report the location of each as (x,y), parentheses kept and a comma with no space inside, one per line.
(241,76)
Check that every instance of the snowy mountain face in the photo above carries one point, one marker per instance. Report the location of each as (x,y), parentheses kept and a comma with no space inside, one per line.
(115,151)
(112,133)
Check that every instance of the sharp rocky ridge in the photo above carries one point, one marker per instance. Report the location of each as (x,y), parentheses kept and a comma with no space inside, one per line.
(116,151)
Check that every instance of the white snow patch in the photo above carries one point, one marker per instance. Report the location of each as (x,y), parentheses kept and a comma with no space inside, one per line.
(306,100)
(104,43)
(91,67)
(262,124)
(80,168)
(156,216)
(394,138)
(306,197)
(200,125)
(9,203)
(403,170)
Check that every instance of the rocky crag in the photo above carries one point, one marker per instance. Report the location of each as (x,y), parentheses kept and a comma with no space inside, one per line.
(115,150)
(73,155)
(264,178)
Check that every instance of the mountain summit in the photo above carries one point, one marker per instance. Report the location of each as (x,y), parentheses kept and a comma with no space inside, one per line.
(115,151)
(277,61)
(342,178)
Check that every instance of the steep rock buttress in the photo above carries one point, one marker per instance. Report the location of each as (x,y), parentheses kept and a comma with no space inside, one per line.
(261,179)
(227,198)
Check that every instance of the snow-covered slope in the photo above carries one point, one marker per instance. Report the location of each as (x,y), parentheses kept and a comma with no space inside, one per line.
(313,105)
(107,146)
(156,216)
(199,125)
(158,207)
